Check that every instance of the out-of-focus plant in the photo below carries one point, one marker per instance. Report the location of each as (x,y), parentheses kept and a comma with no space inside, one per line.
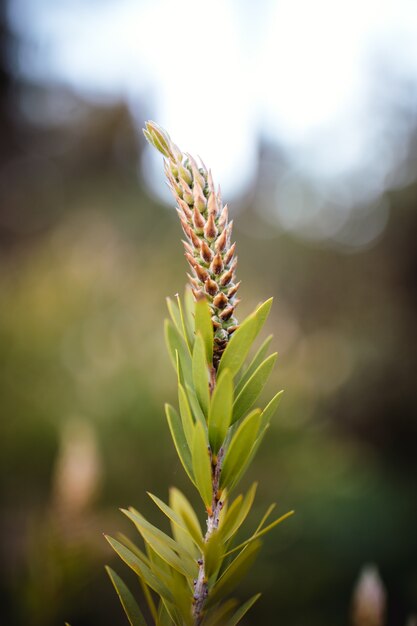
(187,578)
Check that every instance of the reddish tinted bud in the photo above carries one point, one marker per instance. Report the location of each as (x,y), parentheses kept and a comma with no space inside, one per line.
(233,290)
(206,253)
(211,287)
(201,272)
(221,241)
(226,278)
(186,209)
(198,220)
(227,313)
(220,300)
(210,230)
(229,254)
(217,264)
(194,238)
(224,216)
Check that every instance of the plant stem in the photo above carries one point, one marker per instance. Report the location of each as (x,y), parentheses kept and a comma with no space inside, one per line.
(213,518)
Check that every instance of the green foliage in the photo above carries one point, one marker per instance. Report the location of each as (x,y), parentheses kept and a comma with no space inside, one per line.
(216,429)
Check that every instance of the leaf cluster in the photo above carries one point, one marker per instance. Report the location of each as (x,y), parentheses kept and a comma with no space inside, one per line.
(216,433)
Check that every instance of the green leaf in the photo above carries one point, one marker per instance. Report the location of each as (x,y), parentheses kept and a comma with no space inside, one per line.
(237,513)
(204,325)
(232,576)
(180,442)
(201,464)
(128,602)
(260,533)
(194,404)
(220,412)
(175,314)
(213,554)
(254,364)
(189,303)
(253,388)
(175,343)
(242,339)
(241,612)
(164,617)
(200,373)
(187,327)
(183,508)
(178,522)
(141,568)
(239,449)
(219,616)
(186,416)
(270,408)
(165,547)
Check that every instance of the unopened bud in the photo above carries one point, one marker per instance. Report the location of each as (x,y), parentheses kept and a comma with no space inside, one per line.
(220,300)
(187,247)
(217,264)
(211,287)
(369,599)
(199,199)
(201,272)
(185,173)
(233,289)
(194,238)
(221,241)
(210,230)
(224,216)
(206,253)
(229,254)
(198,221)
(185,208)
(212,205)
(224,315)
(187,194)
(226,278)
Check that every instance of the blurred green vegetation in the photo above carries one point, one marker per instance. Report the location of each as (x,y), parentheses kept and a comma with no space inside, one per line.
(87,259)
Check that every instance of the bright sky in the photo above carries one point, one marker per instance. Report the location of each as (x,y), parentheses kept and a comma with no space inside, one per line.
(315,77)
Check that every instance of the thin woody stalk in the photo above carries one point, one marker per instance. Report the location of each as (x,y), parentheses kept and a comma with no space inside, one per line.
(216,431)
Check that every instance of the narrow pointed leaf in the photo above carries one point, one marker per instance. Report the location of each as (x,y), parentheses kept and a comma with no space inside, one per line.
(242,339)
(174,314)
(200,373)
(180,442)
(140,568)
(220,412)
(241,612)
(237,515)
(204,325)
(187,328)
(270,408)
(239,449)
(232,576)
(253,387)
(201,464)
(219,616)
(183,508)
(254,364)
(186,416)
(166,548)
(260,533)
(213,553)
(176,519)
(175,343)
(128,602)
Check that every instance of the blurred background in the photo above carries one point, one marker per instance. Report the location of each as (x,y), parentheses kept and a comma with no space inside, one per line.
(307,114)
